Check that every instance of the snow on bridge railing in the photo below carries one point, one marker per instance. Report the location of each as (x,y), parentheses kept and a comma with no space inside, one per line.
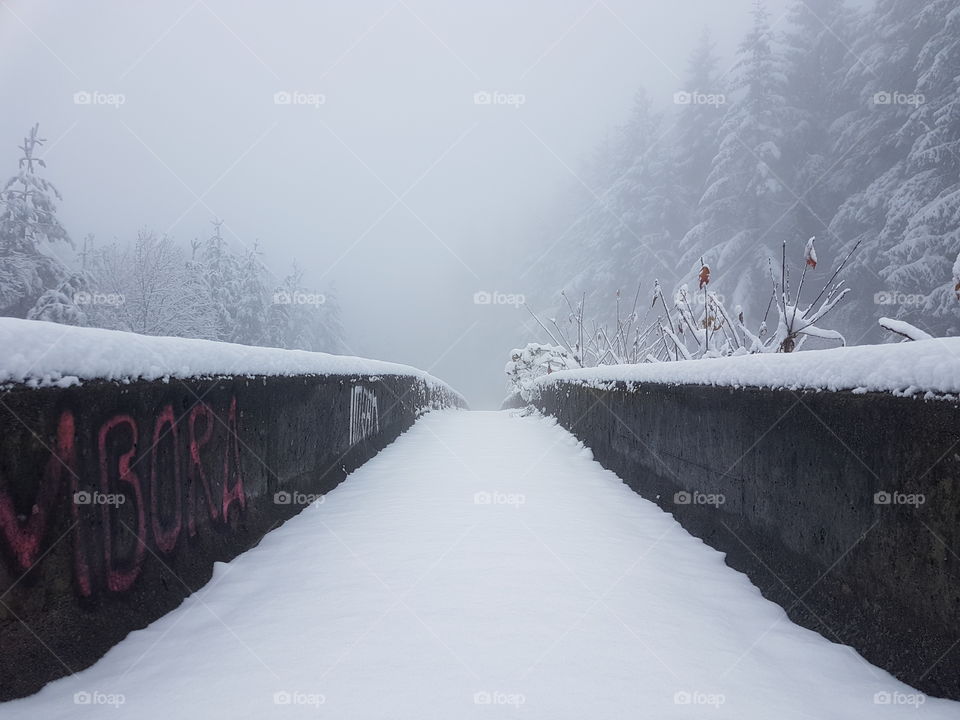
(42,354)
(927,367)
(835,484)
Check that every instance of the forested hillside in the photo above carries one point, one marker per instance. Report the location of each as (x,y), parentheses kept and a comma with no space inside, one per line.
(833,122)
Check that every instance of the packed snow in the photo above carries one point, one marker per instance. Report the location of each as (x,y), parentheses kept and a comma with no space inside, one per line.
(42,354)
(482,566)
(929,367)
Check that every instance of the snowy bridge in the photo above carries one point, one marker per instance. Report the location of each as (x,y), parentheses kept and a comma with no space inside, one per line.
(481,565)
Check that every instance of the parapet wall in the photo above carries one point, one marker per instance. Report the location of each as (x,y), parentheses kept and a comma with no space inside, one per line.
(844,508)
(117,498)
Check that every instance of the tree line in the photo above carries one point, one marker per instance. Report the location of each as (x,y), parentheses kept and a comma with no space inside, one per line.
(150,285)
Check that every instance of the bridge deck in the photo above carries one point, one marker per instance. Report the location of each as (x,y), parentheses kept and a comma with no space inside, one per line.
(484,559)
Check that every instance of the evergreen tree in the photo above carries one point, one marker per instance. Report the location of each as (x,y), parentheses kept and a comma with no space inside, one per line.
(817,58)
(220,270)
(648,215)
(924,211)
(744,209)
(874,143)
(299,319)
(629,234)
(28,228)
(327,333)
(851,133)
(698,123)
(869,144)
(250,313)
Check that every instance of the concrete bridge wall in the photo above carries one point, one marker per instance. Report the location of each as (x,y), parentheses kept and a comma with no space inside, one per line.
(117,499)
(843,508)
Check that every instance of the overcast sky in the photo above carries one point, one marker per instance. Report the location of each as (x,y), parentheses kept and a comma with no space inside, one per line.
(398,190)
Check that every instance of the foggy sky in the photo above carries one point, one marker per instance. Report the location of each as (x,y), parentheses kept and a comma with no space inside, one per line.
(398,191)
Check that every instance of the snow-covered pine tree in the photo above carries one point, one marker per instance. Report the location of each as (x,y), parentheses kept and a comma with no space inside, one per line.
(697,124)
(557,256)
(296,324)
(872,144)
(284,324)
(817,58)
(220,269)
(924,215)
(642,218)
(28,228)
(744,211)
(571,243)
(250,312)
(326,330)
(628,234)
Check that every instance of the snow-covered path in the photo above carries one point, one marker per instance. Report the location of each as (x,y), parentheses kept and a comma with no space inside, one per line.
(482,566)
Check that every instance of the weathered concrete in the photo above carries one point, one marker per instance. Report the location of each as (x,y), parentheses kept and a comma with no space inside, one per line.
(798,475)
(116,500)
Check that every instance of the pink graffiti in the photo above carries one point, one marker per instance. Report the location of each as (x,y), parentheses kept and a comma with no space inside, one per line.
(166,538)
(149,521)
(24,538)
(235,493)
(119,579)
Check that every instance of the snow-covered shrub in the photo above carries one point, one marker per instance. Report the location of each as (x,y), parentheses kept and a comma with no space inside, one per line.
(533,361)
(697,323)
(714,331)
(956,278)
(794,325)
(64,304)
(147,287)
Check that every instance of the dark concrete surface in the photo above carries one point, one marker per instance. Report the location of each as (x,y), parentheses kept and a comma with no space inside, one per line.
(116,499)
(799,474)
